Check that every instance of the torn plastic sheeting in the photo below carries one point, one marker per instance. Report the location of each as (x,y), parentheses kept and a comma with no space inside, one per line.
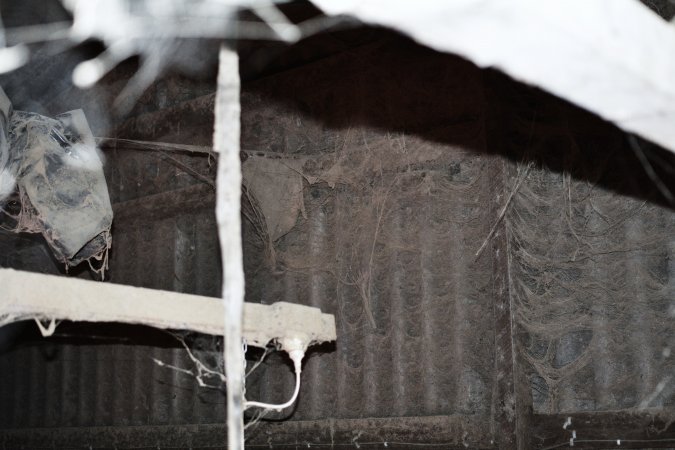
(612,57)
(60,181)
(277,186)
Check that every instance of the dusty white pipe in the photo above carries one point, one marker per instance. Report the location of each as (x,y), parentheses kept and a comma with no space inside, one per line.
(228,208)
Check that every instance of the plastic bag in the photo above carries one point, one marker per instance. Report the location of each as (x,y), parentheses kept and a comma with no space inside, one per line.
(61,186)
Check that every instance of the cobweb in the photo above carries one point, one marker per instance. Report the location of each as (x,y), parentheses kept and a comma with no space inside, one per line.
(372,177)
(593,287)
(591,249)
(383,235)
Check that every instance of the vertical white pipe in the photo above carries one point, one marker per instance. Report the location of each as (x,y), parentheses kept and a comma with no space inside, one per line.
(228,198)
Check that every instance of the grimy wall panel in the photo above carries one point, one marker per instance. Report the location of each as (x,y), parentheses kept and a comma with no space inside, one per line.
(405,210)
(408,161)
(591,240)
(393,212)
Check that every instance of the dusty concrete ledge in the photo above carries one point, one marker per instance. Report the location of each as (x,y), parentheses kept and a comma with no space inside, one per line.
(27,295)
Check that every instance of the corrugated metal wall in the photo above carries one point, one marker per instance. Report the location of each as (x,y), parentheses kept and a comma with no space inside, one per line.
(432,350)
(94,376)
(164,238)
(433,347)
(591,242)
(430,347)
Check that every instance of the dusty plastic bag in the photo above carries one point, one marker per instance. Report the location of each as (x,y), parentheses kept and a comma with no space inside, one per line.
(7,180)
(61,186)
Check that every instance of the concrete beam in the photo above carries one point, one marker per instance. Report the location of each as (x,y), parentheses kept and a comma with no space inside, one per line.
(27,295)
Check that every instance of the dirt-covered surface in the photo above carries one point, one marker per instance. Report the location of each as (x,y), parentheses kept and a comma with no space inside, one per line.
(417,198)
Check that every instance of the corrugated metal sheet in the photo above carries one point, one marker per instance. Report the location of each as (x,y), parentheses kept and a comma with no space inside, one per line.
(591,244)
(436,348)
(96,376)
(432,350)
(595,312)
(428,309)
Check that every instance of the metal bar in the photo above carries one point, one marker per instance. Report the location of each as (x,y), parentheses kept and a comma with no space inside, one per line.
(508,432)
(165,204)
(447,432)
(611,429)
